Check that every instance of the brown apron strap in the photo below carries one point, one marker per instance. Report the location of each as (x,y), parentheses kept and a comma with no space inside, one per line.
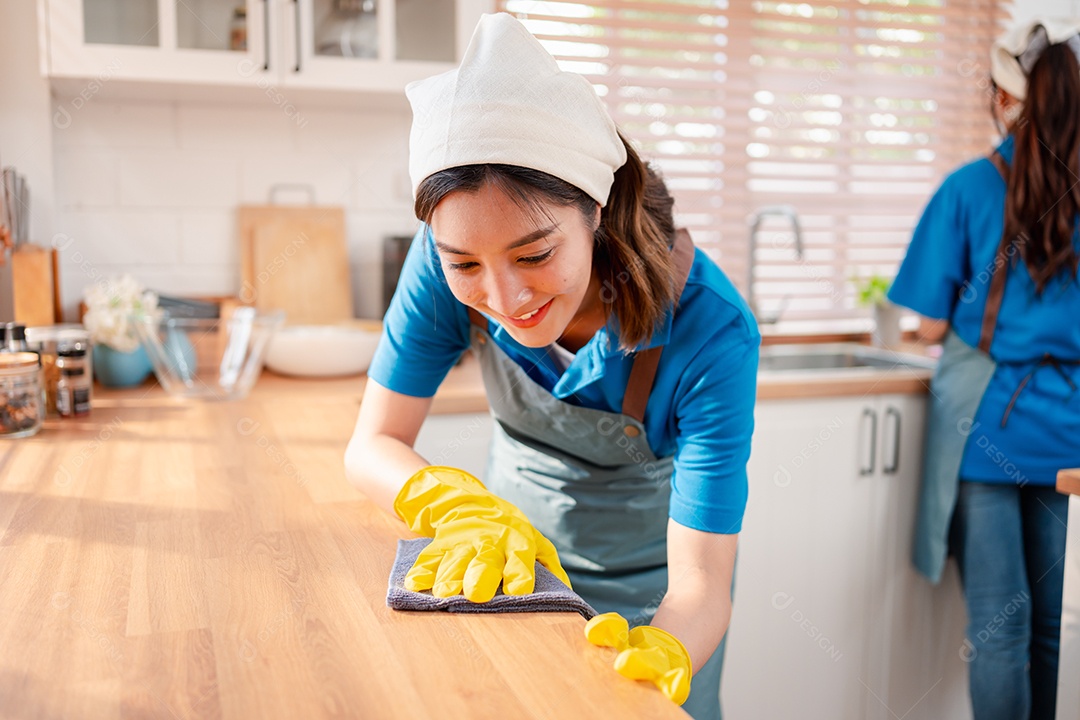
(643,372)
(477,318)
(999,273)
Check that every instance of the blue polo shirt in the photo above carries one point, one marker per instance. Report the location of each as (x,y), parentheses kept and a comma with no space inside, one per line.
(701,409)
(946,275)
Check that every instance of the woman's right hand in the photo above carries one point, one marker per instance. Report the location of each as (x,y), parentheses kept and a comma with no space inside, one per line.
(480,540)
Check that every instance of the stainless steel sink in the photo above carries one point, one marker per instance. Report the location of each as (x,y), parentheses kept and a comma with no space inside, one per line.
(837,357)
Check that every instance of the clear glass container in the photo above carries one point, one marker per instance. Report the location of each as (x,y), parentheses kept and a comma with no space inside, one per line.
(347,28)
(238,30)
(47,340)
(22,397)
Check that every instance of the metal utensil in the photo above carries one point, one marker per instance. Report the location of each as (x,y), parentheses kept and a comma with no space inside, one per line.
(24,210)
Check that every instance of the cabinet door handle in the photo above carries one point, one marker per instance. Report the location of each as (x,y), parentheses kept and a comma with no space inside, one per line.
(299,39)
(872,440)
(266,34)
(893,465)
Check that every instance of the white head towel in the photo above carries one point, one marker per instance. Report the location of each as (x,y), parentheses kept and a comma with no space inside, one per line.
(1015,52)
(509,103)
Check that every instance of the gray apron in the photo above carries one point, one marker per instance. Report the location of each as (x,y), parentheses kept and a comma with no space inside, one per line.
(589,481)
(958,387)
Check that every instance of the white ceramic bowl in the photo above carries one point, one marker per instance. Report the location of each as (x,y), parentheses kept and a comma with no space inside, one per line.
(321,350)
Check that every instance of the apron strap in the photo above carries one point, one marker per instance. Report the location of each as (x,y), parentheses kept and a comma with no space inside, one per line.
(643,372)
(999,272)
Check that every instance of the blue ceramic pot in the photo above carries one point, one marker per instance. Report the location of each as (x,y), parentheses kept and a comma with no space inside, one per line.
(118,369)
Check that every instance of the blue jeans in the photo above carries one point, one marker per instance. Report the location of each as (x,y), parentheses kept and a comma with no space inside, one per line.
(1010,545)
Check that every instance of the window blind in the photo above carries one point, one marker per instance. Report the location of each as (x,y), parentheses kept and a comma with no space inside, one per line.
(849,111)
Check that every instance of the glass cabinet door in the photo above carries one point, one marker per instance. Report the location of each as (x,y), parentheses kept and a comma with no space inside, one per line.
(374,44)
(424,30)
(211,25)
(215,42)
(363,45)
(187,24)
(120,22)
(420,29)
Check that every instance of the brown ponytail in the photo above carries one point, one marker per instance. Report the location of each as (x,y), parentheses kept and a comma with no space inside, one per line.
(1043,198)
(631,257)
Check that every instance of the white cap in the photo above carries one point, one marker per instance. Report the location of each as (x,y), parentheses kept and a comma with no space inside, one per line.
(509,103)
(1015,52)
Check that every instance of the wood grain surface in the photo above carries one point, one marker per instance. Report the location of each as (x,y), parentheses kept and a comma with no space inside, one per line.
(209,560)
(1068,481)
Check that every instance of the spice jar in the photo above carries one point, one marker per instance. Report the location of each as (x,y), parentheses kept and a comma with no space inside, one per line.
(73,385)
(47,341)
(14,337)
(22,399)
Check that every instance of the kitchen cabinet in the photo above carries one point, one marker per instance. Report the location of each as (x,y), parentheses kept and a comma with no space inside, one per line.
(318,44)
(459,439)
(830,620)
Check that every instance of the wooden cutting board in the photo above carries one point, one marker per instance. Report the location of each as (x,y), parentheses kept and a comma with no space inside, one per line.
(295,259)
(33,273)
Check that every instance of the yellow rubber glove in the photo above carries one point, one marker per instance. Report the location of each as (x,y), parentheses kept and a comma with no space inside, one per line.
(645,653)
(479,541)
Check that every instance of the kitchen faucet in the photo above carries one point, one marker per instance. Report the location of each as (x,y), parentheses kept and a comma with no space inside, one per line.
(788,212)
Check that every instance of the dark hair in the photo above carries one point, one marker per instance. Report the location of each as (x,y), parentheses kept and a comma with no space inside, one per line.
(1043,198)
(632,250)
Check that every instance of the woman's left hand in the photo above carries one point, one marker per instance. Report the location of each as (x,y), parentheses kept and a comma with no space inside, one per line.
(645,653)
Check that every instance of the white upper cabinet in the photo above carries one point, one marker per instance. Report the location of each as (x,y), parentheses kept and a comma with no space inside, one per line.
(359,45)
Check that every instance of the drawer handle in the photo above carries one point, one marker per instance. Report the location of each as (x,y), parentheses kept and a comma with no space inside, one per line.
(871,438)
(299,35)
(266,34)
(894,464)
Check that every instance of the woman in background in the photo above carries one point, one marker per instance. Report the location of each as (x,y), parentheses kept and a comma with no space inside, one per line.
(995,255)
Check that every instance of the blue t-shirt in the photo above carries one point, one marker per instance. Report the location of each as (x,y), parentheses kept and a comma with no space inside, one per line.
(701,409)
(946,275)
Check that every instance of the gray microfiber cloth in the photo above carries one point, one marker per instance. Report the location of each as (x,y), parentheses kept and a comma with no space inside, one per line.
(549,594)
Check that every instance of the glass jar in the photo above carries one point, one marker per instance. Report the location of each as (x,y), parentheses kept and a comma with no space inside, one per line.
(73,385)
(22,398)
(47,340)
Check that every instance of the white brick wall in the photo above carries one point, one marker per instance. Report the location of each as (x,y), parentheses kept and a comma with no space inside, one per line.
(151,188)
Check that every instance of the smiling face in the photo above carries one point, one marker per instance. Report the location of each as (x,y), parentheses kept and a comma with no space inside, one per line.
(530,272)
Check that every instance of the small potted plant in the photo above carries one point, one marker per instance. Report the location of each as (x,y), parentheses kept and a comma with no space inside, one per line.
(111,307)
(872,292)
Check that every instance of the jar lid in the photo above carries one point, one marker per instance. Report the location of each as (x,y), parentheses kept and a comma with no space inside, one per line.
(75,349)
(17,362)
(65,331)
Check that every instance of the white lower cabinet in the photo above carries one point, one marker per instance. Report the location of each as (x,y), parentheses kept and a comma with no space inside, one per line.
(459,440)
(830,618)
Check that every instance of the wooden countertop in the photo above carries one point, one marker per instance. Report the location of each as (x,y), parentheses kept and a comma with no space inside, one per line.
(1068,481)
(163,559)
